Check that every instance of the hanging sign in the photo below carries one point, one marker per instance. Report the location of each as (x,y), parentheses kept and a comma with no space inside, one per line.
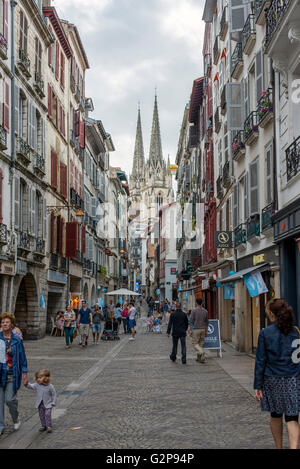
(255,284)
(223,239)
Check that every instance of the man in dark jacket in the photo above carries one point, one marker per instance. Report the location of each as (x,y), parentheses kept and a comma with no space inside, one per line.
(178,323)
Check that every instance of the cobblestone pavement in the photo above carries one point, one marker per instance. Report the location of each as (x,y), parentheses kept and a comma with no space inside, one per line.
(128,394)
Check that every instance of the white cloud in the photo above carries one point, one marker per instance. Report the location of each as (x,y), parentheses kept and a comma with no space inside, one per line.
(182,21)
(88,12)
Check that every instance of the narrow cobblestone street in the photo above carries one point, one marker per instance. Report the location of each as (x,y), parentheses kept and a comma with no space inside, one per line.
(128,394)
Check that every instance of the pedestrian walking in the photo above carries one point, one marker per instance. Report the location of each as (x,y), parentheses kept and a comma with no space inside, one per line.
(277,372)
(118,314)
(45,398)
(13,369)
(96,324)
(124,318)
(198,329)
(178,324)
(84,321)
(69,326)
(132,313)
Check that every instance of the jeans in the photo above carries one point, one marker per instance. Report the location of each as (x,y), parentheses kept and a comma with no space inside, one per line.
(124,320)
(127,324)
(69,335)
(8,397)
(175,345)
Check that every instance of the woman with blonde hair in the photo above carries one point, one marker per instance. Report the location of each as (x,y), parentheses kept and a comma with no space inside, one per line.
(277,371)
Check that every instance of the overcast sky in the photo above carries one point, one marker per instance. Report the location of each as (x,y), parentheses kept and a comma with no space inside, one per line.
(133,47)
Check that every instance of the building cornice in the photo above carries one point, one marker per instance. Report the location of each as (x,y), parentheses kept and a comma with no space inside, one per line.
(50,12)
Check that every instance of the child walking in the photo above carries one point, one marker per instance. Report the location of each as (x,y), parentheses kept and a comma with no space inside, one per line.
(45,398)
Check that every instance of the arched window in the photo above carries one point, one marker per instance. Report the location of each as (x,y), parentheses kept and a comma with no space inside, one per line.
(159,200)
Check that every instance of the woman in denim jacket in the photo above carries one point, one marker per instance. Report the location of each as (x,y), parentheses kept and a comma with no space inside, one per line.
(277,371)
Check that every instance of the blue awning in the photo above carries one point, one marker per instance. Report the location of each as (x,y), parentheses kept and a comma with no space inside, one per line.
(238,276)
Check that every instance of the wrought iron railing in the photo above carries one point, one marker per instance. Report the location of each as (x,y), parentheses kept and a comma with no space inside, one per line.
(24,62)
(3,45)
(293,159)
(226,179)
(237,56)
(274,16)
(265,105)
(238,143)
(40,246)
(259,6)
(53,260)
(3,138)
(24,240)
(251,125)
(253,226)
(23,149)
(3,233)
(248,30)
(266,216)
(39,163)
(239,235)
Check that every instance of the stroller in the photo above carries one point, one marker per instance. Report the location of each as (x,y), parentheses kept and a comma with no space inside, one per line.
(110,331)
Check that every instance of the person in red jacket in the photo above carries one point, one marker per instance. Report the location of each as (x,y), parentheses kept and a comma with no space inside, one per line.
(124,318)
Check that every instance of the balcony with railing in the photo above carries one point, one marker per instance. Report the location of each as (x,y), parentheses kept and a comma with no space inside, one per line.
(40,247)
(217,120)
(3,234)
(224,24)
(39,85)
(253,227)
(237,61)
(226,178)
(3,47)
(251,128)
(249,35)
(24,63)
(274,17)
(239,235)
(39,164)
(293,159)
(238,146)
(3,138)
(220,191)
(24,241)
(261,7)
(265,108)
(216,50)
(266,217)
(23,151)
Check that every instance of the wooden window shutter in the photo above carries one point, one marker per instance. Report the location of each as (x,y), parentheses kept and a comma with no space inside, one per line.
(54,169)
(49,100)
(52,231)
(57,61)
(5,19)
(82,134)
(76,179)
(62,70)
(63,123)
(83,238)
(77,123)
(1,195)
(6,105)
(71,239)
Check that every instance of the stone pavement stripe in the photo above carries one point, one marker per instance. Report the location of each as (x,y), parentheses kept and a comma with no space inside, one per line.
(23,438)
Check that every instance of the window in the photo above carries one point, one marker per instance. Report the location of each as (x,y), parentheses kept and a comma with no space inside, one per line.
(4,19)
(159,200)
(269,175)
(6,105)
(254,195)
(259,74)
(23,33)
(38,58)
(62,70)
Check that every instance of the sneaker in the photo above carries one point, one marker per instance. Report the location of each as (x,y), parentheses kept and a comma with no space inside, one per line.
(131,338)
(17,425)
(173,359)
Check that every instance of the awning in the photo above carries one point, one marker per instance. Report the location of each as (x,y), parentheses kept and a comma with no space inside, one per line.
(240,274)
(214,266)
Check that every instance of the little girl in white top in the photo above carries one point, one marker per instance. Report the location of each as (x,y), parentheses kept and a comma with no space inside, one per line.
(45,398)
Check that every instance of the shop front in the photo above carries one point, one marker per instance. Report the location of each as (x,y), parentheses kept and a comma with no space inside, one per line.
(286,224)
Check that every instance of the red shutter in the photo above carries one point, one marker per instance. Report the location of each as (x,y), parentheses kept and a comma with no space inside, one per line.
(71,239)
(52,239)
(82,134)
(76,123)
(5,19)
(57,61)
(58,114)
(83,230)
(49,100)
(63,123)
(76,180)
(54,169)
(6,105)
(1,197)
(62,70)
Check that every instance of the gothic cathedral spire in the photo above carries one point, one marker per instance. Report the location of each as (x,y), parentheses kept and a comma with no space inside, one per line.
(138,158)
(155,153)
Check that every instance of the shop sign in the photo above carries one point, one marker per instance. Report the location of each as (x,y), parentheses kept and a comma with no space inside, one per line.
(258,259)
(213,339)
(223,239)
(255,284)
(205,284)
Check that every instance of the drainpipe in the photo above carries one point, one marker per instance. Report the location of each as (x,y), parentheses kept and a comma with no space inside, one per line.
(14,243)
(276,167)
